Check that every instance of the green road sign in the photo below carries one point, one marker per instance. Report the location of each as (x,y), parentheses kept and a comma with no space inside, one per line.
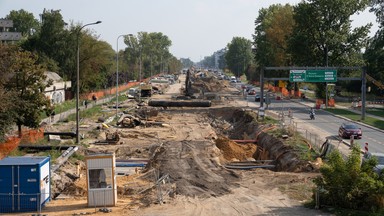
(313,76)
(297,75)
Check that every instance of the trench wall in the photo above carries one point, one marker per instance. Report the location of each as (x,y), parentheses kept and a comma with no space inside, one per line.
(271,148)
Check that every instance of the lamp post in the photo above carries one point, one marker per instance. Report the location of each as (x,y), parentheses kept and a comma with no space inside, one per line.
(117,71)
(77,80)
(140,50)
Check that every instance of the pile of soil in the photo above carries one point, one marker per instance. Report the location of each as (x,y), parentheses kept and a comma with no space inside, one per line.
(209,84)
(235,152)
(194,169)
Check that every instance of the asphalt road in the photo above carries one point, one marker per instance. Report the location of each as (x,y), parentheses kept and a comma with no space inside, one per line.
(325,122)
(330,123)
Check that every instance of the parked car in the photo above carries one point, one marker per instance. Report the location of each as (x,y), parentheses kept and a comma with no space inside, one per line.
(380,158)
(248,87)
(132,93)
(257,98)
(252,92)
(346,130)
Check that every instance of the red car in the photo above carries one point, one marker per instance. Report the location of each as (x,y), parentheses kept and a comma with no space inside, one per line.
(347,130)
(252,92)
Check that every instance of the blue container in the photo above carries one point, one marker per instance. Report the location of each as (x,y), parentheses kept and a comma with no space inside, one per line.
(24,183)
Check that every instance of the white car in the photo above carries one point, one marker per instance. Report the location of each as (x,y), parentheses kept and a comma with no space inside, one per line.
(132,92)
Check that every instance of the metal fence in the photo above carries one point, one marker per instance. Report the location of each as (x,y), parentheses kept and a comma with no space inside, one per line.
(18,203)
(287,121)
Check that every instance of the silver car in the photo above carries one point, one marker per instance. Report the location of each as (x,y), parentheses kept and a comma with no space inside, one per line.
(380,158)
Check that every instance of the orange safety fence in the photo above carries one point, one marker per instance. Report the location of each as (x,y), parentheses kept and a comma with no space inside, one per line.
(9,145)
(32,135)
(28,136)
(112,90)
(270,87)
(276,89)
(331,102)
(319,102)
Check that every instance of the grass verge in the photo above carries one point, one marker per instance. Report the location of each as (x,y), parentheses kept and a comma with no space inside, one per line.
(357,117)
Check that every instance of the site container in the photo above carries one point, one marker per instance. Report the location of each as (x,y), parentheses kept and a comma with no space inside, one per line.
(101,180)
(24,183)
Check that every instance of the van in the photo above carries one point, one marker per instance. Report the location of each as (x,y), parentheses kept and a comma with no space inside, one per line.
(132,93)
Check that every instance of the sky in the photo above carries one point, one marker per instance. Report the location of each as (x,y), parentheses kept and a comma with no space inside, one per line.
(197,28)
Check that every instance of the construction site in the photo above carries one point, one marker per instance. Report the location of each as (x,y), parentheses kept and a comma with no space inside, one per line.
(195,149)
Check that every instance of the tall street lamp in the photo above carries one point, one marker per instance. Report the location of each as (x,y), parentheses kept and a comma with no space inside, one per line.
(77,81)
(137,48)
(117,70)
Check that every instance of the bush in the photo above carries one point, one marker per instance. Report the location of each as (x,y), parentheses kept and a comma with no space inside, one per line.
(347,184)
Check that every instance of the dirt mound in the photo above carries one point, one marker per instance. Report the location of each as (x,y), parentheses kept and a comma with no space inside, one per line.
(77,189)
(194,169)
(209,84)
(235,152)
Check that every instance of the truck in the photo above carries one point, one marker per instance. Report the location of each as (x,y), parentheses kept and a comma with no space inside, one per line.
(145,90)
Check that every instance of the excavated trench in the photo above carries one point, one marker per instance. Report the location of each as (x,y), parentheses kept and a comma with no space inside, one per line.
(198,173)
(239,124)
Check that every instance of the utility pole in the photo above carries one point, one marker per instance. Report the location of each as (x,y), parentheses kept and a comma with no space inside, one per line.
(326,84)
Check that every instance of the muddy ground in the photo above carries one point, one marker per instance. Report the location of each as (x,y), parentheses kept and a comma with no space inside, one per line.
(189,150)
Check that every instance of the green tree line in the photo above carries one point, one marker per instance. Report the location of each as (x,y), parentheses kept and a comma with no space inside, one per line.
(50,44)
(311,33)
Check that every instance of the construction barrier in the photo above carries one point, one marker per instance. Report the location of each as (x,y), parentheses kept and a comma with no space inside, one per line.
(331,102)
(9,145)
(105,92)
(28,136)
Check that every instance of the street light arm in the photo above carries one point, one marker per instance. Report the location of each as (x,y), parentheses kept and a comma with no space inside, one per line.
(117,71)
(78,31)
(78,81)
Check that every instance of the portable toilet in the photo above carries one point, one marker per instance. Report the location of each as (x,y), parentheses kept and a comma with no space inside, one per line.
(24,183)
(101,180)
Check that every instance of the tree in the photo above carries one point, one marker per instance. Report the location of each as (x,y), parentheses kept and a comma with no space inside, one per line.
(186,62)
(377,7)
(50,41)
(208,61)
(28,82)
(7,108)
(239,55)
(347,184)
(174,65)
(322,35)
(56,44)
(96,61)
(222,61)
(151,49)
(23,22)
(374,54)
(274,26)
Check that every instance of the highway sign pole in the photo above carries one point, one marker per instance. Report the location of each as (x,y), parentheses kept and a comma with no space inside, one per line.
(326,95)
(363,92)
(326,70)
(262,87)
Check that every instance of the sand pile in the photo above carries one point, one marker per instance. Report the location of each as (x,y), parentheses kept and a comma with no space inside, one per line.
(235,152)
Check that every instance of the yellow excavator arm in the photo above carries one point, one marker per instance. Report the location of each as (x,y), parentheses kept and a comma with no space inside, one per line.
(377,83)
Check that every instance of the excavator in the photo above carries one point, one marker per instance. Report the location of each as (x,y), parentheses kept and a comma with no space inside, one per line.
(375,82)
